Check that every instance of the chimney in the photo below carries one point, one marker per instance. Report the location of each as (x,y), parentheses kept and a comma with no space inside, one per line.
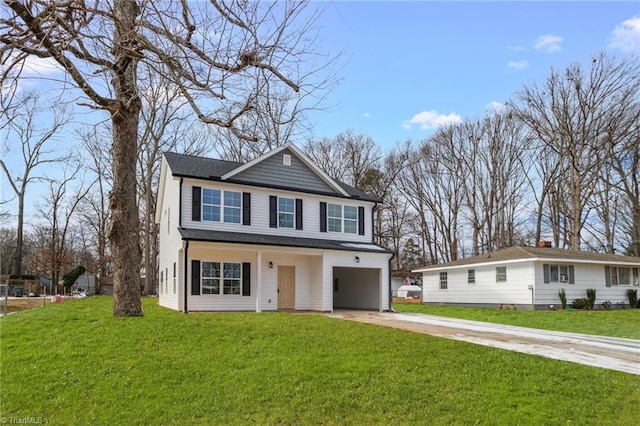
(544,244)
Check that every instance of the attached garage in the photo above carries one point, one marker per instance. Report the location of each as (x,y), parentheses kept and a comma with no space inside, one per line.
(357,288)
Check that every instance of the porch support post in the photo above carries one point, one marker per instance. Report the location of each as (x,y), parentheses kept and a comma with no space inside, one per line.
(258,281)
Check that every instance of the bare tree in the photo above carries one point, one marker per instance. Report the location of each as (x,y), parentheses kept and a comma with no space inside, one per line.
(211,51)
(58,211)
(30,134)
(571,114)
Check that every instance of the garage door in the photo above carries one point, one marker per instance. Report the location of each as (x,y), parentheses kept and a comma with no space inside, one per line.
(356,288)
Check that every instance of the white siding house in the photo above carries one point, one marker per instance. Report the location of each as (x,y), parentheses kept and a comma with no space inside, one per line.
(274,233)
(530,278)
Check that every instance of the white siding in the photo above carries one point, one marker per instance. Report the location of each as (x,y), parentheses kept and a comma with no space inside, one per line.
(486,290)
(586,276)
(260,213)
(170,245)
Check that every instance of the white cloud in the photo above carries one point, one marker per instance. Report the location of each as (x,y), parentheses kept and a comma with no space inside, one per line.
(548,43)
(626,36)
(518,65)
(495,106)
(431,120)
(366,115)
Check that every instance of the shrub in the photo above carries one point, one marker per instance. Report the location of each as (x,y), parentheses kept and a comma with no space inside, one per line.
(607,304)
(591,296)
(563,298)
(632,295)
(582,303)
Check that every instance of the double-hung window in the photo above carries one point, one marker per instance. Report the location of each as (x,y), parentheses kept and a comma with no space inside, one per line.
(231,274)
(342,218)
(501,274)
(223,206)
(217,276)
(471,276)
(334,214)
(210,277)
(350,219)
(211,204)
(443,280)
(620,275)
(286,209)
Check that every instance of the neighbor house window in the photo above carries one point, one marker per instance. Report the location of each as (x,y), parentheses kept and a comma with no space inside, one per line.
(161,280)
(443,281)
(620,276)
(285,212)
(334,213)
(166,280)
(501,274)
(221,206)
(636,278)
(559,273)
(471,276)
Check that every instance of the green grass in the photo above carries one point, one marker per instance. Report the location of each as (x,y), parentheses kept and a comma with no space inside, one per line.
(74,363)
(614,323)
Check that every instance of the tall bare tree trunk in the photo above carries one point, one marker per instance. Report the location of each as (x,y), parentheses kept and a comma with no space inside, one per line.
(122,200)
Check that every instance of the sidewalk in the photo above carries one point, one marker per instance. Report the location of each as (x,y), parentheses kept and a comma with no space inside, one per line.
(599,351)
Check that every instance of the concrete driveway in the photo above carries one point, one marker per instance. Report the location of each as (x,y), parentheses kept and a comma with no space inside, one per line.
(599,351)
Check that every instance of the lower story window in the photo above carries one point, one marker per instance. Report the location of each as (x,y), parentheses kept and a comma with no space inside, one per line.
(443,280)
(221,278)
(232,281)
(501,274)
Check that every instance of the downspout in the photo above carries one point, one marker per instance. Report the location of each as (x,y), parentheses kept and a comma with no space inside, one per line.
(180,206)
(186,274)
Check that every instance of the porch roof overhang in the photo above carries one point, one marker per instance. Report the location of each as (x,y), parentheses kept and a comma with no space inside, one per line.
(278,240)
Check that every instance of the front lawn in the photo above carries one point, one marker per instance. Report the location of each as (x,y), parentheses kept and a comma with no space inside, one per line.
(614,323)
(75,364)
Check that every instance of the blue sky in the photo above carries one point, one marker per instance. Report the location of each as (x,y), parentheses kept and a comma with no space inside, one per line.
(410,66)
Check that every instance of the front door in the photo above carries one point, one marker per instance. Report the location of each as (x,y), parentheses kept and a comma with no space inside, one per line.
(286,287)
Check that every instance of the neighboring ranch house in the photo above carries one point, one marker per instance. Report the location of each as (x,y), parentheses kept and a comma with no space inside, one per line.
(530,277)
(275,233)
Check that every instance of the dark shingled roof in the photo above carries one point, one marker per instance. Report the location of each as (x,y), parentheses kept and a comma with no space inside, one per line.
(277,240)
(523,252)
(211,169)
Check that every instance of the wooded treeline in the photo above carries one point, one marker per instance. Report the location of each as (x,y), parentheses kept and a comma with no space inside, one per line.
(559,162)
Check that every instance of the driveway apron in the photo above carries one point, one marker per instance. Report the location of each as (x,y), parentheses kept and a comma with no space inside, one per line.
(600,351)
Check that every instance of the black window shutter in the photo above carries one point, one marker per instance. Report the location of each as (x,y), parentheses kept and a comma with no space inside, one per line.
(360,220)
(298,213)
(323,216)
(571,275)
(273,211)
(246,279)
(195,202)
(607,276)
(545,273)
(246,208)
(195,277)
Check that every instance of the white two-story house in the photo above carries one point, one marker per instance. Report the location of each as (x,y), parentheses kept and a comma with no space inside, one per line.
(275,233)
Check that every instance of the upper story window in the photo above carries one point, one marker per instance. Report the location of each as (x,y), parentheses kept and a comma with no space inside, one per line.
(220,206)
(342,218)
(501,274)
(286,209)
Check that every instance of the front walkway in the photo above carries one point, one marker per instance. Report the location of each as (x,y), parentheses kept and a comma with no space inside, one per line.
(599,351)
